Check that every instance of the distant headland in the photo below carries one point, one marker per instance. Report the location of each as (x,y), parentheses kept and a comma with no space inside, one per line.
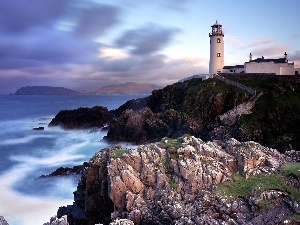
(126,88)
(45,90)
(129,88)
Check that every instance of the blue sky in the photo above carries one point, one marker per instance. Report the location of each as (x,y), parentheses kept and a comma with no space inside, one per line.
(86,44)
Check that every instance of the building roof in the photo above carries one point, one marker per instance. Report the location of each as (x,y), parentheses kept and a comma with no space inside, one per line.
(234,67)
(279,60)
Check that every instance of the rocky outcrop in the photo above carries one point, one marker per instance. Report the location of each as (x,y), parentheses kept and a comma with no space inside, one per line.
(82,118)
(3,221)
(190,107)
(176,181)
(264,109)
(58,221)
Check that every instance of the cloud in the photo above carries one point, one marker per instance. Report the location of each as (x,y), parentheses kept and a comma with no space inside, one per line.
(96,20)
(146,40)
(43,48)
(20,15)
(112,54)
(261,42)
(271,51)
(294,56)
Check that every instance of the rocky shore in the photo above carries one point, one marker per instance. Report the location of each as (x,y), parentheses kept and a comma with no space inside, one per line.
(187,181)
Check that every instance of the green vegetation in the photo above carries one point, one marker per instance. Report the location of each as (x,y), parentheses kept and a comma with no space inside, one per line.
(263,182)
(171,145)
(198,96)
(119,152)
(173,184)
(295,217)
(275,117)
(243,187)
(291,169)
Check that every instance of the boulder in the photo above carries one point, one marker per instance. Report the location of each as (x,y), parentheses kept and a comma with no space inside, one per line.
(82,118)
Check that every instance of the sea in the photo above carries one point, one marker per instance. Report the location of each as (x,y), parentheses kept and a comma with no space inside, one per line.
(26,154)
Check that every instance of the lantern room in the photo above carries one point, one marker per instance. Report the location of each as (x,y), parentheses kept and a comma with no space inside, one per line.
(216,30)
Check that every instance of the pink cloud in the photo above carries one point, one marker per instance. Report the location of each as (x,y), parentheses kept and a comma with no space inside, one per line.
(270,51)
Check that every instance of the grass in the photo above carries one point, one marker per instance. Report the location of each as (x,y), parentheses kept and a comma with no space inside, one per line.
(291,169)
(171,144)
(243,187)
(173,184)
(295,217)
(119,152)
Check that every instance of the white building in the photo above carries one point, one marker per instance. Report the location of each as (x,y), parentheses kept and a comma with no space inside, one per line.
(279,66)
(233,69)
(216,62)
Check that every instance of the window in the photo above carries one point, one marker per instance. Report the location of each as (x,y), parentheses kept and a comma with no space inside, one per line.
(218,54)
(219,40)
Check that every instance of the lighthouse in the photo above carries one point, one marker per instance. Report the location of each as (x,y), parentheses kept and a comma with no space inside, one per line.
(216,61)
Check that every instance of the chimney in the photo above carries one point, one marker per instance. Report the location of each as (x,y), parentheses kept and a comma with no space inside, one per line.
(285,56)
(250,57)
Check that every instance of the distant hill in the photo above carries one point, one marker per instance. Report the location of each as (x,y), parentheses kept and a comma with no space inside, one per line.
(127,88)
(45,90)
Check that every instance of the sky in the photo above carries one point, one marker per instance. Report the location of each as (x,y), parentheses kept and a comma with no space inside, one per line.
(86,44)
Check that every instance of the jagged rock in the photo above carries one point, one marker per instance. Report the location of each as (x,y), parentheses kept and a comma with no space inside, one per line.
(66,171)
(82,118)
(3,221)
(58,221)
(161,184)
(293,155)
(122,222)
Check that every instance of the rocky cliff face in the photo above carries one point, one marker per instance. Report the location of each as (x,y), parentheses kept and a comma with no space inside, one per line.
(190,107)
(182,181)
(211,110)
(82,118)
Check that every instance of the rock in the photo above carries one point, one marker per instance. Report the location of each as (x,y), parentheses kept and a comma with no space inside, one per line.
(122,222)
(66,171)
(82,118)
(3,221)
(161,184)
(58,221)
(38,128)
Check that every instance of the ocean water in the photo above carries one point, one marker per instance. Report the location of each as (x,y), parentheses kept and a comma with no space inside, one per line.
(26,154)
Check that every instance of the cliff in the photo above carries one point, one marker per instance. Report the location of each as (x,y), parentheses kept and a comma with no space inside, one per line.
(45,90)
(127,88)
(188,181)
(263,109)
(275,119)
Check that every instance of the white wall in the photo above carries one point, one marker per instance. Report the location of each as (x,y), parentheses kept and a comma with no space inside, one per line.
(216,63)
(287,69)
(262,67)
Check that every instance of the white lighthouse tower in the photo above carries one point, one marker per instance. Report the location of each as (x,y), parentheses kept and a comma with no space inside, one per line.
(216,62)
